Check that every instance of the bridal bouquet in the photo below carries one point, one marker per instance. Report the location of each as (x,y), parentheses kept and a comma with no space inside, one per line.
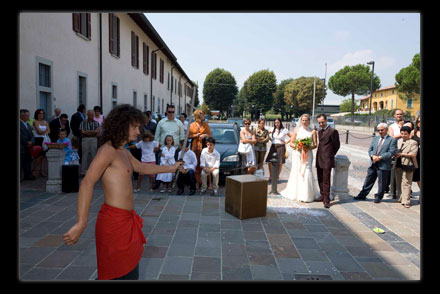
(303,144)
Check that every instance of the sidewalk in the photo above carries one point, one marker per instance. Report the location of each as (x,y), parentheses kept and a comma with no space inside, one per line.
(193,238)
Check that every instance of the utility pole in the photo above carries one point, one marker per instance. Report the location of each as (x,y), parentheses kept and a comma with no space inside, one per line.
(323,89)
(371,92)
(313,107)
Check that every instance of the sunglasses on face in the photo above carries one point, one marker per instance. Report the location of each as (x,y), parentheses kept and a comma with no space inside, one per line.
(170,111)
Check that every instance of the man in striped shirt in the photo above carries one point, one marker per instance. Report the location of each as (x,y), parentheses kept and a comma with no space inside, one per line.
(89,130)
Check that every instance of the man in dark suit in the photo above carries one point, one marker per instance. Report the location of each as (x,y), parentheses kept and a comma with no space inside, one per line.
(381,150)
(76,119)
(26,141)
(325,157)
(57,124)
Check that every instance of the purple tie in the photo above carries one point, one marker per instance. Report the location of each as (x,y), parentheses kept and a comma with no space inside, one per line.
(380,144)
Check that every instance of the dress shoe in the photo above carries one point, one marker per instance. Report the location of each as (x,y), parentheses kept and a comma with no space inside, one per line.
(192,192)
(359,198)
(179,192)
(376,200)
(327,205)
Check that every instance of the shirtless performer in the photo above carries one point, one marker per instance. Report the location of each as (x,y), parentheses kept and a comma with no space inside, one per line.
(118,231)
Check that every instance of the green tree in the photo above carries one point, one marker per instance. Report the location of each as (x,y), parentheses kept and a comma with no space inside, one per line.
(196,100)
(408,79)
(205,108)
(299,93)
(345,105)
(219,90)
(279,104)
(354,80)
(260,87)
(241,100)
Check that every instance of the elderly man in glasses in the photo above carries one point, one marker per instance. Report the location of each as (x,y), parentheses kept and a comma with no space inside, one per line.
(381,150)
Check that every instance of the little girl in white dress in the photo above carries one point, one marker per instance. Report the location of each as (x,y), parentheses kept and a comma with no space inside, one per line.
(167,158)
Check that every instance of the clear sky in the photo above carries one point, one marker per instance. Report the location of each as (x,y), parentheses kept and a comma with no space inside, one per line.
(290,44)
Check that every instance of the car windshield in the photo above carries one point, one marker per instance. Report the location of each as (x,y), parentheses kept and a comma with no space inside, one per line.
(224,135)
(239,121)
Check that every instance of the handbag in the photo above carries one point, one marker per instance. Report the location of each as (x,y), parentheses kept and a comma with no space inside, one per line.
(244,148)
(35,150)
(45,140)
(259,173)
(408,168)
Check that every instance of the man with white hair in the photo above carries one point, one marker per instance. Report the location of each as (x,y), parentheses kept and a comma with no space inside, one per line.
(381,150)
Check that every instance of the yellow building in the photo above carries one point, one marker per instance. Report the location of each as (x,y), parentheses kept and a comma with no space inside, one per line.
(388,98)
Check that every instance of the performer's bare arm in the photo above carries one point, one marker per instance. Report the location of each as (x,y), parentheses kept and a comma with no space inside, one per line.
(99,164)
(150,169)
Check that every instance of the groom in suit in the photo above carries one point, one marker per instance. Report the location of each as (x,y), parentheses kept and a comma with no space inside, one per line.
(381,150)
(325,157)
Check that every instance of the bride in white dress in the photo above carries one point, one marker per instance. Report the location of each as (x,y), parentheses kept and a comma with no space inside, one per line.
(301,185)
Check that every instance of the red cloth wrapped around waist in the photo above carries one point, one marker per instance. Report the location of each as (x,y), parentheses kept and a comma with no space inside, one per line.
(119,241)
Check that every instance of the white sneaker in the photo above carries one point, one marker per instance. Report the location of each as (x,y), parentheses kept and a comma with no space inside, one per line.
(163,190)
(203,191)
(136,190)
(214,193)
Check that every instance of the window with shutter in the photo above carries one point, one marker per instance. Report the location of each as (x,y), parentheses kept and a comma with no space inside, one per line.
(161,71)
(75,17)
(137,51)
(144,57)
(110,34)
(148,59)
(82,24)
(153,65)
(132,48)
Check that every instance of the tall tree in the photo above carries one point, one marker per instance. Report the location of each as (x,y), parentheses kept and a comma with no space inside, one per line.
(260,87)
(354,80)
(408,79)
(279,104)
(299,93)
(219,90)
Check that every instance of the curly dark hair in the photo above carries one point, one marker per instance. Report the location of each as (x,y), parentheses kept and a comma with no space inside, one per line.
(117,124)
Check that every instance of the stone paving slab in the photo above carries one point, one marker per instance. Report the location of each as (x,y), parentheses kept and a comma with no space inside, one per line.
(193,238)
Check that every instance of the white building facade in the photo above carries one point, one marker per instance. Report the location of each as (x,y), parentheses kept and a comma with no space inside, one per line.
(97,59)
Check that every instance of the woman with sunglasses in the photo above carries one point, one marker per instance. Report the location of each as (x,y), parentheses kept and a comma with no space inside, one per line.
(199,131)
(279,140)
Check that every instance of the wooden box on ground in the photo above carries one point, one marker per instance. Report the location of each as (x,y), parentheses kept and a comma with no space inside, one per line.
(246,196)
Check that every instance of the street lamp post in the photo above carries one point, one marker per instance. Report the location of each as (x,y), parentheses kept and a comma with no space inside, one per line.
(371,92)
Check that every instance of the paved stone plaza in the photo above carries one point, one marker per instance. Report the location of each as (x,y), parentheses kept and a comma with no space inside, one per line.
(193,238)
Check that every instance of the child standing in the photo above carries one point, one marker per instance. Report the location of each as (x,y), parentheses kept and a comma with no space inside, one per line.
(62,135)
(74,157)
(167,158)
(148,147)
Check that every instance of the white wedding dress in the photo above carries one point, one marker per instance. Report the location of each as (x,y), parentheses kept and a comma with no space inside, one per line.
(301,185)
